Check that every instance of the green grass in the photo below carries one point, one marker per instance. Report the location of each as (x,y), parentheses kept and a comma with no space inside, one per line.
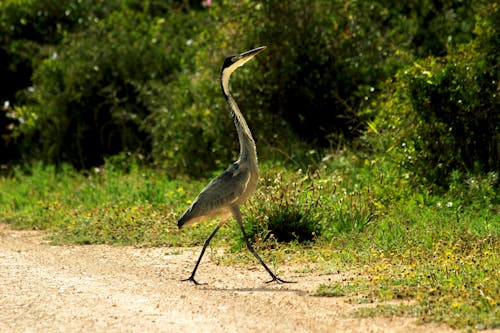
(433,256)
(101,206)
(455,283)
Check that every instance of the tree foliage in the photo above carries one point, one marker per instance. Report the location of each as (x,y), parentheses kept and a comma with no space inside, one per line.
(440,115)
(84,80)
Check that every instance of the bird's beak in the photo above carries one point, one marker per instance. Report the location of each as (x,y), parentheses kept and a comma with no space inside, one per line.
(252,53)
(242,58)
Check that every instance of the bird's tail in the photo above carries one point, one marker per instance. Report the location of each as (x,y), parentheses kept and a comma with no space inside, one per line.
(187,218)
(181,222)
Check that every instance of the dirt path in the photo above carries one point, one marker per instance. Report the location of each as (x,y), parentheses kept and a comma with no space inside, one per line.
(103,288)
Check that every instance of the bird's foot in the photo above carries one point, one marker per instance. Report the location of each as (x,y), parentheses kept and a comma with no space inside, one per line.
(192,280)
(279,281)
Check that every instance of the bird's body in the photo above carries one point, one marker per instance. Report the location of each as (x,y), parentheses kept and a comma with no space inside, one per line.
(225,193)
(232,187)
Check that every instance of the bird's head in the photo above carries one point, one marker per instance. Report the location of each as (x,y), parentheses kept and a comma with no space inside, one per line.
(232,62)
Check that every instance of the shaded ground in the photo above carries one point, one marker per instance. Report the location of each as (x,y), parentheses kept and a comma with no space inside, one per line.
(102,288)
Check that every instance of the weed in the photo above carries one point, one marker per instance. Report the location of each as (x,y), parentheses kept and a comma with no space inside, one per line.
(285,210)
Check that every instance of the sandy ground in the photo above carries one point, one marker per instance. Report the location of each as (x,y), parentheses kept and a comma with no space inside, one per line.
(101,288)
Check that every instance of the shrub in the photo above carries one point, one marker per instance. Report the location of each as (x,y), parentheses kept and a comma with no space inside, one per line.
(285,211)
(143,75)
(190,126)
(328,59)
(29,29)
(440,114)
(90,99)
(325,61)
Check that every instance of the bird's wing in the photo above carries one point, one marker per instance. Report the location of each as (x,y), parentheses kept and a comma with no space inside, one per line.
(221,192)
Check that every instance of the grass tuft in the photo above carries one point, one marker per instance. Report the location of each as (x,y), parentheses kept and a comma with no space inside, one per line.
(284,210)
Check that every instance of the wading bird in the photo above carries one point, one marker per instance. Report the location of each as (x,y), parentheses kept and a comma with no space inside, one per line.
(225,193)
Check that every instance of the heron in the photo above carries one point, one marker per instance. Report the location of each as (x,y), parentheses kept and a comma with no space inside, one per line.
(224,195)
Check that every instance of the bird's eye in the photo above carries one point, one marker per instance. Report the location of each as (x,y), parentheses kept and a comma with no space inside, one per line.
(235,58)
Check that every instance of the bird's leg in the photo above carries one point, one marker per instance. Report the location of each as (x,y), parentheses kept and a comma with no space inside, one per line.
(205,244)
(237,215)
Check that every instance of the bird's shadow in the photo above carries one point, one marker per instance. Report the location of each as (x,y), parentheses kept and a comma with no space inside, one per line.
(256,289)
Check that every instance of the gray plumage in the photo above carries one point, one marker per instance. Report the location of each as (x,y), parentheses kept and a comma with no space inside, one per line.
(230,188)
(225,193)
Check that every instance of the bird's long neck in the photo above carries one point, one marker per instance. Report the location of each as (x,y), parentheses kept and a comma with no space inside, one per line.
(248,151)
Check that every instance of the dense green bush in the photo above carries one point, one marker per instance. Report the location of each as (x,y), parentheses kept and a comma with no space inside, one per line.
(142,76)
(329,59)
(431,27)
(441,114)
(190,125)
(27,28)
(324,58)
(285,211)
(72,72)
(29,33)
(91,97)
(325,61)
